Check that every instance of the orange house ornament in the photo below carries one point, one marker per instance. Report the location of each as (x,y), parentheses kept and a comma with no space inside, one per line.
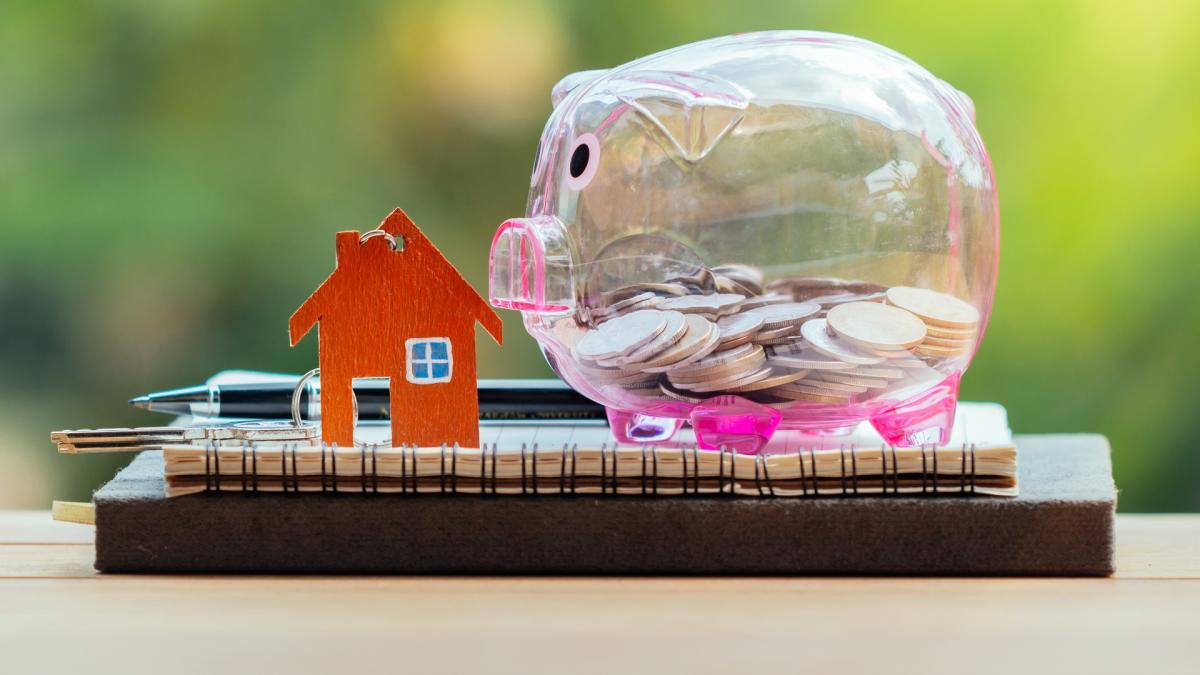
(395,307)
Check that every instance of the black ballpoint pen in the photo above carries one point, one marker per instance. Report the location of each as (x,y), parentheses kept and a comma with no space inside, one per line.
(528,399)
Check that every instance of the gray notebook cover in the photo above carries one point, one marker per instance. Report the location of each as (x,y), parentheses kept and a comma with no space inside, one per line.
(1061,524)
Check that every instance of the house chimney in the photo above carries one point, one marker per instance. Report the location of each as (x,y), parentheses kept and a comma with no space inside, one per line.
(347,246)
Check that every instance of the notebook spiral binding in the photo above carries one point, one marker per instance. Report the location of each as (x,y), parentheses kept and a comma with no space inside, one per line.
(567,481)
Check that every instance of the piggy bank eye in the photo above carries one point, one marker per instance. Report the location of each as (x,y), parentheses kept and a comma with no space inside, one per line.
(582,163)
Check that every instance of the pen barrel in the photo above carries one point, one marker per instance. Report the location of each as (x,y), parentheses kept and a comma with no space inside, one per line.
(273,400)
(498,400)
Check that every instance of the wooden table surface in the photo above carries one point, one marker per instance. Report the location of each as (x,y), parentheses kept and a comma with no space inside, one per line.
(57,615)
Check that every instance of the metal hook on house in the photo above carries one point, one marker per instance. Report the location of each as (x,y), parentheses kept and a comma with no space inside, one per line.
(303,382)
(397,243)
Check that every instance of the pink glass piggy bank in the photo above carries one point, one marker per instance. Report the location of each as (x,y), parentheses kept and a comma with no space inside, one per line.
(774,230)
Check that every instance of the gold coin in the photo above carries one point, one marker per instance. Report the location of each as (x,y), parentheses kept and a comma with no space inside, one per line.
(940,309)
(877,326)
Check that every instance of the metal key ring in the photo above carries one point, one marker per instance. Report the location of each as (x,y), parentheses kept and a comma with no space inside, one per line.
(396,244)
(304,379)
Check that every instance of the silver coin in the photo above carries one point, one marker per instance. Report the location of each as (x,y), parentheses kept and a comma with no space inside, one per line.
(816,334)
(672,333)
(729,358)
(786,314)
(621,335)
(702,339)
(737,326)
(756,301)
(851,379)
(730,383)
(716,303)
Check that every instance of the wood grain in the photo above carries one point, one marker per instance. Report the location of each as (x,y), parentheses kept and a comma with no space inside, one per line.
(69,620)
(377,298)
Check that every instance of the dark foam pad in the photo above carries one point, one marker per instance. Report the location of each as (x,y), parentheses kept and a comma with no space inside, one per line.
(1062,524)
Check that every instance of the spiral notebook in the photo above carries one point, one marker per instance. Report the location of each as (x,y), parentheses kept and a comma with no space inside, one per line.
(582,458)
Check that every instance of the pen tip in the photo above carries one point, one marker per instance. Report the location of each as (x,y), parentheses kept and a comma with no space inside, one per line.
(140,402)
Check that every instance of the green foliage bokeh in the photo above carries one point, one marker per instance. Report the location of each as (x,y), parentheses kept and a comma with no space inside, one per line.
(171,175)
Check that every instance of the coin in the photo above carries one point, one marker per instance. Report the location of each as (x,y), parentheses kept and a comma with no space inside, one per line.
(878,371)
(700,339)
(621,334)
(948,344)
(776,333)
(816,334)
(876,326)
(638,289)
(730,382)
(840,388)
(717,303)
(756,301)
(738,326)
(729,371)
(785,314)
(679,394)
(940,309)
(674,331)
(803,392)
(808,362)
(950,333)
(777,377)
(626,302)
(740,272)
(858,381)
(943,352)
(724,359)
(804,288)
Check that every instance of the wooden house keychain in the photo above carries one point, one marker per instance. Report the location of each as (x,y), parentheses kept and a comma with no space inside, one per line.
(396,308)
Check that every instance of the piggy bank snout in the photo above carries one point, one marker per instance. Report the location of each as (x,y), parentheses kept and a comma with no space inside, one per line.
(530,266)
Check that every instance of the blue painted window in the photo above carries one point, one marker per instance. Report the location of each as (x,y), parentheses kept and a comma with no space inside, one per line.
(430,360)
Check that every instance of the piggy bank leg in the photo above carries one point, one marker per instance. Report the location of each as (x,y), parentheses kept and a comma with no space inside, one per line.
(734,423)
(927,418)
(632,427)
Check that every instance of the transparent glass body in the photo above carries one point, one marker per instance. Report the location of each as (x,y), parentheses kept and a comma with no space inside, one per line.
(791,169)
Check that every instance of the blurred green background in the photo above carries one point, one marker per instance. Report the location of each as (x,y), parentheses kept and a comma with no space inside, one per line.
(171,175)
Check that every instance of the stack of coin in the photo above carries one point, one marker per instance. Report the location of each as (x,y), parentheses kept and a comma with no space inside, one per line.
(951,324)
(724,331)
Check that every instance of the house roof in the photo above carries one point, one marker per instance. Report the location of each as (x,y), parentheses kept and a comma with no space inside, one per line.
(424,255)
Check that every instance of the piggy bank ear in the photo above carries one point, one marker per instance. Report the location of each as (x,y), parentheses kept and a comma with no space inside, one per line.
(693,110)
(569,83)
